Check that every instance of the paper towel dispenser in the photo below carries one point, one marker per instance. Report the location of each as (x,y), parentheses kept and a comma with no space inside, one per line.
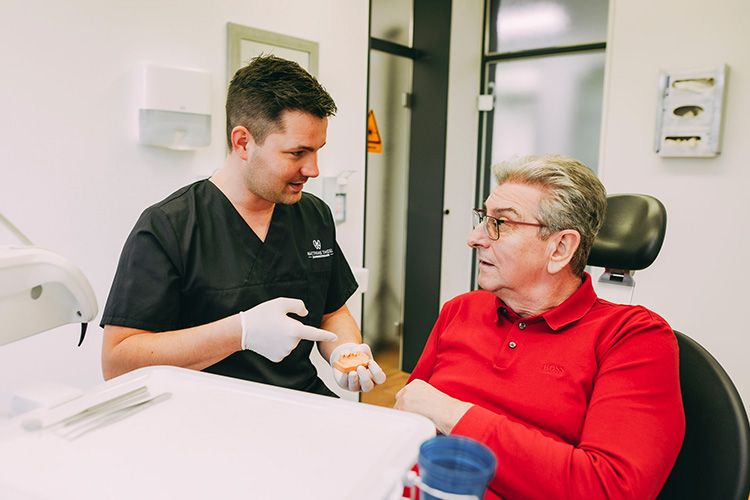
(689,113)
(175,111)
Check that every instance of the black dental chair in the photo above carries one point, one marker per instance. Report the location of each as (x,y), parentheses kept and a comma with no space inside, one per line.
(631,237)
(714,462)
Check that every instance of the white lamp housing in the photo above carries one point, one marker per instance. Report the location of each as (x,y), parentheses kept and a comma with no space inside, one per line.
(40,290)
(176,108)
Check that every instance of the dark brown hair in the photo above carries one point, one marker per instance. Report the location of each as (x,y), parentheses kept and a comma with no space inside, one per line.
(261,91)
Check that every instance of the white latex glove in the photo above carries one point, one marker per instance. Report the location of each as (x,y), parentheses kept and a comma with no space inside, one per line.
(364,379)
(267,330)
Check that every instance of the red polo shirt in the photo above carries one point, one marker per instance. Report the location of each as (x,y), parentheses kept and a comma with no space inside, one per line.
(581,402)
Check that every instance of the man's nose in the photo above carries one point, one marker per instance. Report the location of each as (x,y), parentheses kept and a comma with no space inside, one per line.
(310,167)
(478,237)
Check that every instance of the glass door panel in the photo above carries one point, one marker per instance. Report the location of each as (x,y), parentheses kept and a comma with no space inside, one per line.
(545,105)
(516,25)
(386,200)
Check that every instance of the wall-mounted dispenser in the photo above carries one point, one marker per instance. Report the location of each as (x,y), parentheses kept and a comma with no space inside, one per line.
(176,108)
(689,113)
(332,190)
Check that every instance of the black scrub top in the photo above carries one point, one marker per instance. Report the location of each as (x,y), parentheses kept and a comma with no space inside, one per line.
(192,259)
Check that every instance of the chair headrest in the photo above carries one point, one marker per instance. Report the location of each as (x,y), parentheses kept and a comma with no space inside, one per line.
(632,234)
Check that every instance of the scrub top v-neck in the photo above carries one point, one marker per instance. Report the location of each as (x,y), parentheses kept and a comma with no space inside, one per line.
(192,259)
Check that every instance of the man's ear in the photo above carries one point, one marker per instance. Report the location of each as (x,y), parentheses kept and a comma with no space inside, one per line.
(564,245)
(241,141)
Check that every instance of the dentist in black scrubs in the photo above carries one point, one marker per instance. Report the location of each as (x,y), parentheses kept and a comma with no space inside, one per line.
(239,274)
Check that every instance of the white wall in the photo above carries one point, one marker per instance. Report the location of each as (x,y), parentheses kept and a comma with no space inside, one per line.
(74,177)
(697,283)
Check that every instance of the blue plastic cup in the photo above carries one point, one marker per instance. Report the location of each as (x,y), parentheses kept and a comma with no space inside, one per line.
(455,464)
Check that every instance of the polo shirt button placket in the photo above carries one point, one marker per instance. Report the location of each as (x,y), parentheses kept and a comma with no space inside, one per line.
(521,325)
(512,345)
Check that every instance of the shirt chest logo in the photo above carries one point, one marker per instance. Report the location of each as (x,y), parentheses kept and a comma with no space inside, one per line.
(553,370)
(319,253)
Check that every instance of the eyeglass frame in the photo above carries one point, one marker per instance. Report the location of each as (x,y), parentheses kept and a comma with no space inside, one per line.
(482,215)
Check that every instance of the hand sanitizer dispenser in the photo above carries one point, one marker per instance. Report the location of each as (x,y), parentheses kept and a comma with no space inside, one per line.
(176,108)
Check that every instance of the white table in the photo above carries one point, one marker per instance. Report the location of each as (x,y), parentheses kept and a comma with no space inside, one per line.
(214,438)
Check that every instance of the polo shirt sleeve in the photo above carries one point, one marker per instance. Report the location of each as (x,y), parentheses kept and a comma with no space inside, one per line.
(631,434)
(426,363)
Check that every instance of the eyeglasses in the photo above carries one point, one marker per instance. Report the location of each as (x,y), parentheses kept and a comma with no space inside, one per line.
(494,226)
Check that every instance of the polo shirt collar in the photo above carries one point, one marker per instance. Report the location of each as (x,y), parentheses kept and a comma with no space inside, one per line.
(571,310)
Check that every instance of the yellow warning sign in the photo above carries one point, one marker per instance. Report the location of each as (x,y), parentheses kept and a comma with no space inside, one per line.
(374,144)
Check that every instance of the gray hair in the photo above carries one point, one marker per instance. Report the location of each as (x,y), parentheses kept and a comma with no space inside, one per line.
(576,198)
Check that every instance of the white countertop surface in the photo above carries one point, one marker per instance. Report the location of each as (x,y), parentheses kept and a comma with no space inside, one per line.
(214,438)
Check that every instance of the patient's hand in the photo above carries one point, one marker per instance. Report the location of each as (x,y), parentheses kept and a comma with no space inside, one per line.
(422,398)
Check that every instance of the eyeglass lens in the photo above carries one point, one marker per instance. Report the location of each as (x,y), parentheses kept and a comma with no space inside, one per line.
(490,224)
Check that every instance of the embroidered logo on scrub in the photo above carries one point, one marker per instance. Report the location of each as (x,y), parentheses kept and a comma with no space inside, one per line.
(318,253)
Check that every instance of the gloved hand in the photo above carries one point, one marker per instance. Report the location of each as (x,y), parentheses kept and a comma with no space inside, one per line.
(363,379)
(267,330)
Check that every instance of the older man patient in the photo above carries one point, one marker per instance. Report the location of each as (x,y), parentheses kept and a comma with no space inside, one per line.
(578,398)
